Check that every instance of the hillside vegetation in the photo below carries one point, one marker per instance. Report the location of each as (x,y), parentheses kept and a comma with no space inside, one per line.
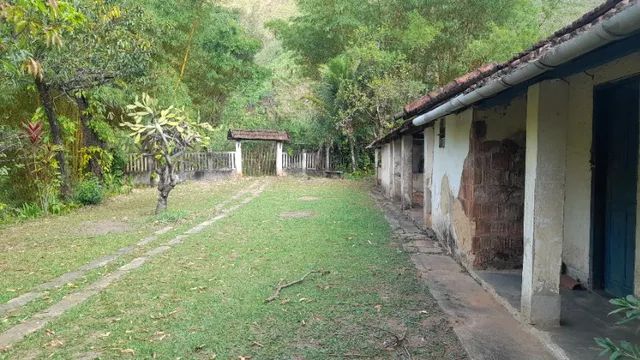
(331,73)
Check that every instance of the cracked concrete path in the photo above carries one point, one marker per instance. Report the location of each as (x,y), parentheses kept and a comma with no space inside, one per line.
(38,321)
(485,328)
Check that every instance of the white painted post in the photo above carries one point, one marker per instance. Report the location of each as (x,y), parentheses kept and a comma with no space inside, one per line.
(304,162)
(429,141)
(547,109)
(406,171)
(238,158)
(279,171)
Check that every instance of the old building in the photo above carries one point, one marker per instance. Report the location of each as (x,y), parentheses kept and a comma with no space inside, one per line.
(532,164)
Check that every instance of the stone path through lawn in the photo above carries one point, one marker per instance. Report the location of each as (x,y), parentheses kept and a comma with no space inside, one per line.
(485,328)
(39,320)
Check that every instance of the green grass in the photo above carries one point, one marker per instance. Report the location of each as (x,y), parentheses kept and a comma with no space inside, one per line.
(205,298)
(38,250)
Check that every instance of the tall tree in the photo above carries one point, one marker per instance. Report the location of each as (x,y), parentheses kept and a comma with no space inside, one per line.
(111,49)
(31,30)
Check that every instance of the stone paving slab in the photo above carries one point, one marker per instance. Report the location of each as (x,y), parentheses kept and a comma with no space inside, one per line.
(18,332)
(41,290)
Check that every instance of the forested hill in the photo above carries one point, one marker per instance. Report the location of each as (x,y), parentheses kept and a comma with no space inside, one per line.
(255,14)
(281,97)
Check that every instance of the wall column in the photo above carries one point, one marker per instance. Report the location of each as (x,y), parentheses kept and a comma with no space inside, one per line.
(387,169)
(429,140)
(238,158)
(396,177)
(279,171)
(547,111)
(406,171)
(376,160)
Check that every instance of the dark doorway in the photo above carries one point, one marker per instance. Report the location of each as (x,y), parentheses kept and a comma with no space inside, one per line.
(616,118)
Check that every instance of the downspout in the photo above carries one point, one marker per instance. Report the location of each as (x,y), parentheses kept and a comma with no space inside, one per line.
(616,27)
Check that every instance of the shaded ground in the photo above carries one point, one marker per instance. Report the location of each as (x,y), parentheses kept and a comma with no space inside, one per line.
(206,297)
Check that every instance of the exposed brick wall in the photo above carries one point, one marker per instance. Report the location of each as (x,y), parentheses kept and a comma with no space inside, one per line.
(492,196)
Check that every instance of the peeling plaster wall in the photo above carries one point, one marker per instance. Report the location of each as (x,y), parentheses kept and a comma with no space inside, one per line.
(478,185)
(448,218)
(577,210)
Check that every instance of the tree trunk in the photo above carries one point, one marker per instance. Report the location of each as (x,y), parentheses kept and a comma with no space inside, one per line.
(56,134)
(163,198)
(89,138)
(352,148)
(166,183)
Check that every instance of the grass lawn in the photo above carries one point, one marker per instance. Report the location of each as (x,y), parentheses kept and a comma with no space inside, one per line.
(205,298)
(38,250)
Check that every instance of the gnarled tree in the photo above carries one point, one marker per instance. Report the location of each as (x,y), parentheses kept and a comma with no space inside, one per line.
(165,134)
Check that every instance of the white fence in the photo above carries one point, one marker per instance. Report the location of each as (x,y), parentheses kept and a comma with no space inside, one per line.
(213,164)
(302,161)
(189,162)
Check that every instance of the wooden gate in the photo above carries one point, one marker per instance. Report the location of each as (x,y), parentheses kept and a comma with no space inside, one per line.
(259,158)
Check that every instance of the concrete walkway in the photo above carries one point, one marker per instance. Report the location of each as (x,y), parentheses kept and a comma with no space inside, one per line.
(18,332)
(485,328)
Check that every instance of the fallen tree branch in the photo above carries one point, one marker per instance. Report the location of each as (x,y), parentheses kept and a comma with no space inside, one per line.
(281,286)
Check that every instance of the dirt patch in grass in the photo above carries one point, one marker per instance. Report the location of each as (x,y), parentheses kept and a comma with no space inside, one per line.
(103,227)
(297,214)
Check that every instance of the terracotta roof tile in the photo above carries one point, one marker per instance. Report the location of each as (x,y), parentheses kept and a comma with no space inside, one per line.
(264,135)
(451,88)
(489,72)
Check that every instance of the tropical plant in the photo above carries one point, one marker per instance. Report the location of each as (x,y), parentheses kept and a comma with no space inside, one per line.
(630,306)
(40,161)
(34,29)
(166,134)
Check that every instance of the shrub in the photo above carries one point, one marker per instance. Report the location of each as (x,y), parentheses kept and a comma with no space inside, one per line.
(89,192)
(28,211)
